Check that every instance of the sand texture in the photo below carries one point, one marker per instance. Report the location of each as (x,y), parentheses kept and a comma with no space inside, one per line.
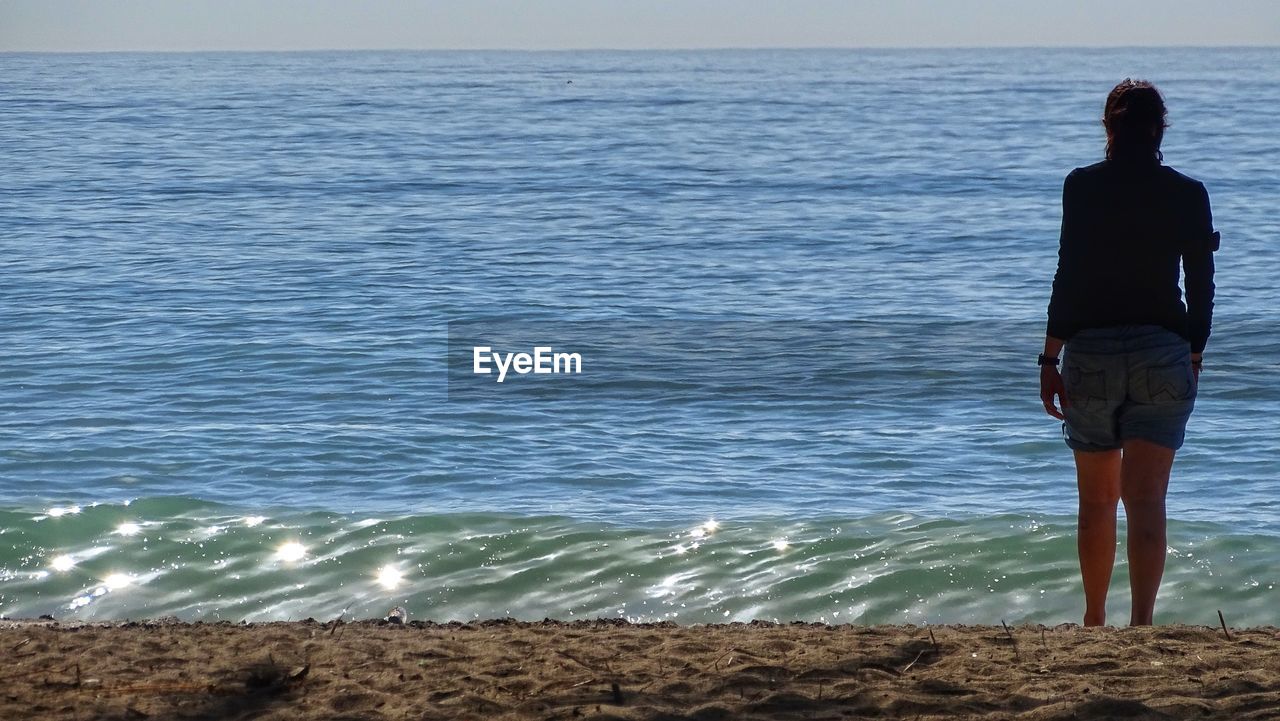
(615,670)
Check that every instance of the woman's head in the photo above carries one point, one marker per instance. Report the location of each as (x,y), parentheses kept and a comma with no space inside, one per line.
(1135,120)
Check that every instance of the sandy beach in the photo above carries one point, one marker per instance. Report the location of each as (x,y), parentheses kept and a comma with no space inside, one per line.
(505,669)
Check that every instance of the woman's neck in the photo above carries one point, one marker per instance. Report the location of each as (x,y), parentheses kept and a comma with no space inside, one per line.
(1134,157)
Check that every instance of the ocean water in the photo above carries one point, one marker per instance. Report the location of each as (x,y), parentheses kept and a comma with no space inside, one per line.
(241,294)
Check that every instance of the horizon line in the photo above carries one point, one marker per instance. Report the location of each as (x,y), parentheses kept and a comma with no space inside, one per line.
(716,48)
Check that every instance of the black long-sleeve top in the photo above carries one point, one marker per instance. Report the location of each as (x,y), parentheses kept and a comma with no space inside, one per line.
(1126,225)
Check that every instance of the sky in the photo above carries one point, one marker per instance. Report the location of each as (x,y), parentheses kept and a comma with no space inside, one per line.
(101,25)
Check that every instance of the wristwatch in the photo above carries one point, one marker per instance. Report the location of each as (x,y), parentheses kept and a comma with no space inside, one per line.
(1046,360)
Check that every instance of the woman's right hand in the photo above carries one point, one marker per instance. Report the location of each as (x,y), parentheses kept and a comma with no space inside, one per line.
(1051,385)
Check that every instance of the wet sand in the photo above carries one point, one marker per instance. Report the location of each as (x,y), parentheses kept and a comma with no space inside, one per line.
(614,670)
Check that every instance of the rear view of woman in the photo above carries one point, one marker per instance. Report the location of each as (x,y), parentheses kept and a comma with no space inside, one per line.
(1131,349)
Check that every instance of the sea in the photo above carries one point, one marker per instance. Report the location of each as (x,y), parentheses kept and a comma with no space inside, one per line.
(253,308)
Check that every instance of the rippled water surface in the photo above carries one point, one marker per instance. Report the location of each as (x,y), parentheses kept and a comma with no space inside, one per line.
(228,283)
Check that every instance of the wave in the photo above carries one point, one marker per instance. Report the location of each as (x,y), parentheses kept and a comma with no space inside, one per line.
(174,556)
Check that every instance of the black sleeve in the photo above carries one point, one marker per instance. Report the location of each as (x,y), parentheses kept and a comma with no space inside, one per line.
(1197,266)
(1061,324)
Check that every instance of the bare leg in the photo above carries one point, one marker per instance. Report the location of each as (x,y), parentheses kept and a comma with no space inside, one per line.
(1144,479)
(1098,477)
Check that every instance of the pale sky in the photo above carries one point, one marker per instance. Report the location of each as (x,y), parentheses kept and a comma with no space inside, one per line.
(95,25)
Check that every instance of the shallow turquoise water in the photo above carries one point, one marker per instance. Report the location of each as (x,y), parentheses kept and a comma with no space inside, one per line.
(175,556)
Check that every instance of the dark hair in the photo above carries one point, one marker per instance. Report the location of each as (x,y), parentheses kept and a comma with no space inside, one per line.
(1135,120)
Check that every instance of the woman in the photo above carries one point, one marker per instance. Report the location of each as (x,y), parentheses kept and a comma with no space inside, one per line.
(1133,350)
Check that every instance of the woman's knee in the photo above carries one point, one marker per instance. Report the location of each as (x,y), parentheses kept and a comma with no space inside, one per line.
(1099,504)
(1143,486)
(1144,475)
(1144,500)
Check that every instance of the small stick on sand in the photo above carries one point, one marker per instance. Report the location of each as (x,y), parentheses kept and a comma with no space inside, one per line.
(1223,621)
(716,663)
(913,661)
(1042,641)
(934,641)
(333,625)
(1016,655)
(735,649)
(578,661)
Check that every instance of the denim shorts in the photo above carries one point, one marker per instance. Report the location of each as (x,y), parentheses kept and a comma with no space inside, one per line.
(1127,382)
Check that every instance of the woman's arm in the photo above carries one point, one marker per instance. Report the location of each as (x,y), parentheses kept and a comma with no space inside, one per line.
(1060,324)
(1198,269)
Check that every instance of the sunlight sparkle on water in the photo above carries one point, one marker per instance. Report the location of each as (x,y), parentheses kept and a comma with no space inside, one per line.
(62,563)
(252,521)
(117,581)
(291,551)
(389,577)
(780,544)
(704,530)
(69,510)
(128,529)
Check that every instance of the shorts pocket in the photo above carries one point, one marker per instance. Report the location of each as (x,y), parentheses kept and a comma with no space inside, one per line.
(1086,388)
(1170,383)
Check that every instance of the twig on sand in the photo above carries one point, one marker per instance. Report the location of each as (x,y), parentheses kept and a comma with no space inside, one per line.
(923,651)
(333,625)
(1042,641)
(1012,641)
(579,661)
(716,664)
(617,694)
(1223,621)
(20,644)
(913,661)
